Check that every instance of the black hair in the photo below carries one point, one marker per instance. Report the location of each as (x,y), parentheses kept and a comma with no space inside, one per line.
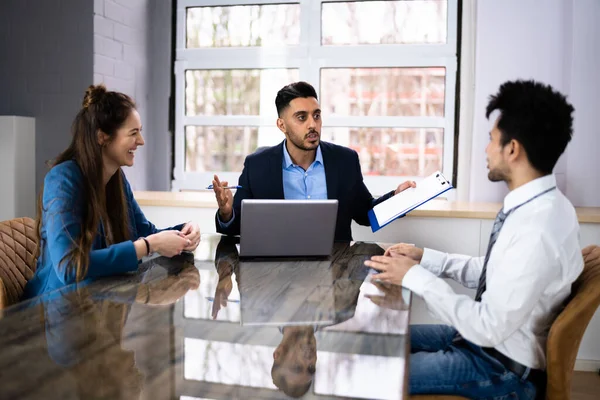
(291,92)
(536,116)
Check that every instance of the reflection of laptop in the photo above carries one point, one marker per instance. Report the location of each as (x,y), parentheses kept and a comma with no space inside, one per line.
(285,292)
(287,227)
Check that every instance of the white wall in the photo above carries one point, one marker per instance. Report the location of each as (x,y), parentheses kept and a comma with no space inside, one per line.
(120,62)
(132,54)
(583,163)
(17,167)
(554,41)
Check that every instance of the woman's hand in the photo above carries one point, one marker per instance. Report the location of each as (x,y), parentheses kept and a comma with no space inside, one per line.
(168,243)
(170,289)
(191,231)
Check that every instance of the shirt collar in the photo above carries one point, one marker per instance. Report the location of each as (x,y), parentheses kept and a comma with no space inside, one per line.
(287,160)
(523,193)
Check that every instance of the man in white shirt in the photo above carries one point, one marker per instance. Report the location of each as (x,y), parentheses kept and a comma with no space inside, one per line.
(494,345)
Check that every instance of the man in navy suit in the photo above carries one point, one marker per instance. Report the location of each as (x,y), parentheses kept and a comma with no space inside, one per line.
(301,167)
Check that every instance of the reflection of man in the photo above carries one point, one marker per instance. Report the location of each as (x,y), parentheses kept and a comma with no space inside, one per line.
(494,346)
(301,167)
(294,360)
(226,263)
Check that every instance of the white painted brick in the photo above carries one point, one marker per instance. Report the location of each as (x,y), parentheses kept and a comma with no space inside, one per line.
(104,65)
(108,47)
(133,54)
(99,7)
(120,85)
(115,12)
(131,4)
(103,26)
(136,18)
(127,35)
(124,70)
(98,78)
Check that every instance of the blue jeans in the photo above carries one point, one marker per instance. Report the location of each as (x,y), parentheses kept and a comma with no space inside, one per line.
(439,366)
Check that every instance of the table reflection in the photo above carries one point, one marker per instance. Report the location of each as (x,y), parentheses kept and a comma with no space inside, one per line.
(244,329)
(302,328)
(84,333)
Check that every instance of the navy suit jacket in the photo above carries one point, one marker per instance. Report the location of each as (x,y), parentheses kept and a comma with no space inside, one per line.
(262,178)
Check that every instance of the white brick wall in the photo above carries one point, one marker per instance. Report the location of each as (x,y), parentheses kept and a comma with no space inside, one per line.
(121,61)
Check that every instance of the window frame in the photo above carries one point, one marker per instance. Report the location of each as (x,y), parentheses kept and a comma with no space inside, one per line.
(309,57)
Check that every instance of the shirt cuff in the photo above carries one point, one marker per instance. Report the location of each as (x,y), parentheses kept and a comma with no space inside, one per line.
(225,225)
(433,261)
(417,279)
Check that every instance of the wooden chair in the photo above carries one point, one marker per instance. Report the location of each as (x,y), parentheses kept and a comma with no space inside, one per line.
(564,337)
(567,331)
(18,242)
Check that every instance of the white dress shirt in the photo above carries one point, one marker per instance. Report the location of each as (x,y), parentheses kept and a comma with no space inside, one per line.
(533,263)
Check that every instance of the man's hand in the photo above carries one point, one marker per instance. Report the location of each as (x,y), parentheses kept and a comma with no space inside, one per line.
(392,269)
(222,293)
(403,186)
(591,255)
(224,199)
(404,249)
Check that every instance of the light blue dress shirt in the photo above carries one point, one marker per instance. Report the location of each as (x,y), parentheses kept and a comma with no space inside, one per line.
(299,184)
(304,185)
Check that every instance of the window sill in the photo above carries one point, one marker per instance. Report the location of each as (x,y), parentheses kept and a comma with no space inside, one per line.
(438,208)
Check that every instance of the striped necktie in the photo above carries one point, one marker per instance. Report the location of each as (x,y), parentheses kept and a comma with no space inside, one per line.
(500,218)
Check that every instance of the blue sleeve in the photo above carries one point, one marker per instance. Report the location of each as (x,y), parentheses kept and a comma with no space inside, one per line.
(62,204)
(73,322)
(143,227)
(225,225)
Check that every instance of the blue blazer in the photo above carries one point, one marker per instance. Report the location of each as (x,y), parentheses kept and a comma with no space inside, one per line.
(61,223)
(262,178)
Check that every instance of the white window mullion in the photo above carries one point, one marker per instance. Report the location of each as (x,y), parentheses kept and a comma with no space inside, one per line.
(243,57)
(449,128)
(179,167)
(222,3)
(228,120)
(452,38)
(385,122)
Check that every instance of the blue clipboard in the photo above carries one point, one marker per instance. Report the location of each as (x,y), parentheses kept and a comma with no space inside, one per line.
(375,224)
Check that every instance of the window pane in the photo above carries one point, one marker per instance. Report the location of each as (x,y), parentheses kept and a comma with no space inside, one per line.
(235,91)
(243,26)
(384,22)
(218,148)
(392,151)
(383,91)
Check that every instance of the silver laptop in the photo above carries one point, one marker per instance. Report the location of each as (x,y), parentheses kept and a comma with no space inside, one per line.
(282,228)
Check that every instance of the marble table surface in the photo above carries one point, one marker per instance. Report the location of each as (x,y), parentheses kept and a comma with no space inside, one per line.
(211,326)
